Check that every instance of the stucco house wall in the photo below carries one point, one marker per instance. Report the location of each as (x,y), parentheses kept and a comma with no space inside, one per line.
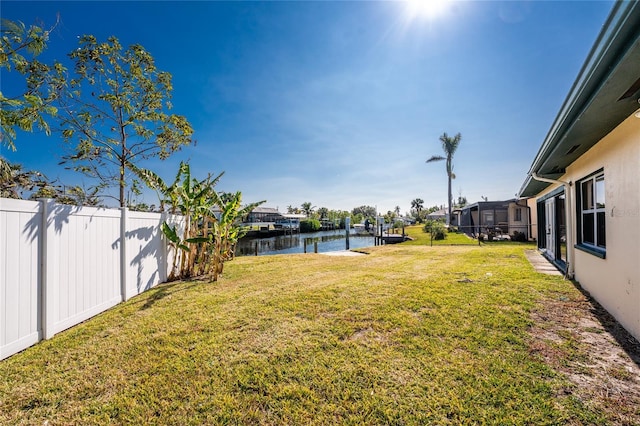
(615,280)
(533,209)
(521,225)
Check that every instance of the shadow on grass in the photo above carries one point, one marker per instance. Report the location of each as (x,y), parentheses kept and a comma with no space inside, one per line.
(167,289)
(628,343)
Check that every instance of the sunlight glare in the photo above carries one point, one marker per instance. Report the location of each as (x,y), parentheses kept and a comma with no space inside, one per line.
(429,9)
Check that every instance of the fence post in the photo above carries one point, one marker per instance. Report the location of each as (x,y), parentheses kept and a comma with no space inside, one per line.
(347,229)
(164,249)
(123,253)
(48,282)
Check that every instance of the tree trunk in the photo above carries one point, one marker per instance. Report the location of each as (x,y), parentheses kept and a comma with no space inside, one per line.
(449,173)
(449,199)
(123,155)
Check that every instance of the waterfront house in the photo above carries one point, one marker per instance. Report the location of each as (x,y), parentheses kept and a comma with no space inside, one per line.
(584,182)
(263,214)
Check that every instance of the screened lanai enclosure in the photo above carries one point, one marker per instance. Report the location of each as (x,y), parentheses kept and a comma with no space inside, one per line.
(499,218)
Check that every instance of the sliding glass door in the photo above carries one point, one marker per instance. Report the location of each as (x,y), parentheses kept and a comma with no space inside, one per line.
(552,221)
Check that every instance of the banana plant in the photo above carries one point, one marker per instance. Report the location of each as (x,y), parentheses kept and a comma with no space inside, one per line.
(190,198)
(207,240)
(228,230)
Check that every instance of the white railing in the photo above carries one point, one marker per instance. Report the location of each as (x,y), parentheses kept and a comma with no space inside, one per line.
(60,265)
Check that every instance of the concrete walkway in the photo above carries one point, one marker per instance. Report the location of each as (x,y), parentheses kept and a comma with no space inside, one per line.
(540,263)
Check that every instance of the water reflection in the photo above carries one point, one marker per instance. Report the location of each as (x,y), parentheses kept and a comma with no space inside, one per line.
(326,240)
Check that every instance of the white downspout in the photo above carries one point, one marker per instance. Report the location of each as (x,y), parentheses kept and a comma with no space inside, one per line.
(568,209)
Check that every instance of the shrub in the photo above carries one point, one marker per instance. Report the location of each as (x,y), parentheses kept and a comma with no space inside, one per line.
(438,231)
(431,222)
(437,228)
(310,225)
(519,236)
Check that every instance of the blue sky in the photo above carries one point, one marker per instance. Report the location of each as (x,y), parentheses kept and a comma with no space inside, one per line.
(339,103)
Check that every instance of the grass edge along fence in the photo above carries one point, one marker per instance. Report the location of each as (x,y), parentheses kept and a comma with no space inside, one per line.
(64,264)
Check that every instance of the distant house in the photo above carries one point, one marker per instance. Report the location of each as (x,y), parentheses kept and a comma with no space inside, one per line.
(263,214)
(441,215)
(584,183)
(438,215)
(408,220)
(497,217)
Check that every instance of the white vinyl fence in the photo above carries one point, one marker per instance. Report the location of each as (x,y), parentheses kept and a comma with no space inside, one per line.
(60,265)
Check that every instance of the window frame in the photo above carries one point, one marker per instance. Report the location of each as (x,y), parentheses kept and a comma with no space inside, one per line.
(599,245)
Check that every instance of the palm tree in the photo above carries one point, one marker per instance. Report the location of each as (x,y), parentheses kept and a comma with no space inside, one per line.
(417,204)
(323,212)
(307,208)
(449,146)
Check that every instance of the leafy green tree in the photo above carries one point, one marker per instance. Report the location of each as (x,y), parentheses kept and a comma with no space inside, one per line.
(449,146)
(336,216)
(433,209)
(310,225)
(436,228)
(142,207)
(62,194)
(323,213)
(15,182)
(28,106)
(390,217)
(114,113)
(367,212)
(292,210)
(462,201)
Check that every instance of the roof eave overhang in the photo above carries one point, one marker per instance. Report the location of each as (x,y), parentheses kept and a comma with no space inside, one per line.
(601,98)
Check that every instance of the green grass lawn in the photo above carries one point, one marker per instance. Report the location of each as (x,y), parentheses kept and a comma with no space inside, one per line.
(407,334)
(421,238)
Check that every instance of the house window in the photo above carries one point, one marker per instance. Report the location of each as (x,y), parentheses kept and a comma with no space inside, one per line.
(518,215)
(591,214)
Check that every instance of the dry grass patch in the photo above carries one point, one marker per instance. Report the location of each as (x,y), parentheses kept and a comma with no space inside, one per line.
(580,339)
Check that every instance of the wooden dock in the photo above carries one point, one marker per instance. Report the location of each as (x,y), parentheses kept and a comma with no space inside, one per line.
(394,238)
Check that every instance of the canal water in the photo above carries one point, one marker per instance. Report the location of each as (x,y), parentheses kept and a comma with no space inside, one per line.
(327,241)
